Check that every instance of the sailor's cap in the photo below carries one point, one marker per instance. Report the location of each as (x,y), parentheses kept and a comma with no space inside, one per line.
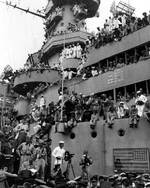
(61,142)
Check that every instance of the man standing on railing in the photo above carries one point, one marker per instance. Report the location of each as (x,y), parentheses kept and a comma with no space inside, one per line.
(140,102)
(42,102)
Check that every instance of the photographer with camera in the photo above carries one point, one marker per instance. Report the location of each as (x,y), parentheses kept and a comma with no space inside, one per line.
(85,162)
(68,158)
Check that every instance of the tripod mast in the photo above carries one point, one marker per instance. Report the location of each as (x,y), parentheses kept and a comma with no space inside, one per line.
(22,9)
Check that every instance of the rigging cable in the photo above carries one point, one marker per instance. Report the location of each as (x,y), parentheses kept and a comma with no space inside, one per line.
(62,84)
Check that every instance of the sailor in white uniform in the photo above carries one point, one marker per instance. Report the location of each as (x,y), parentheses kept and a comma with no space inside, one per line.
(58,153)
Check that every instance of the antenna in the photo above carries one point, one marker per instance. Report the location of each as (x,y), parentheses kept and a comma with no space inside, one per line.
(22,9)
(125,8)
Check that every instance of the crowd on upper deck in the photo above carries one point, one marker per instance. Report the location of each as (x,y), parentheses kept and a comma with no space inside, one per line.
(107,65)
(116,27)
(29,67)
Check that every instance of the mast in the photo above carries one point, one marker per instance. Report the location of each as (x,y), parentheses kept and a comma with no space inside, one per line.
(3,105)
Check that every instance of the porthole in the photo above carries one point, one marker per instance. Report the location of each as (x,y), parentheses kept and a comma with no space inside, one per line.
(121,132)
(72,135)
(94,134)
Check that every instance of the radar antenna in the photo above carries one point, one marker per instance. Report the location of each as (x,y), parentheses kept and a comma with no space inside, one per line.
(22,9)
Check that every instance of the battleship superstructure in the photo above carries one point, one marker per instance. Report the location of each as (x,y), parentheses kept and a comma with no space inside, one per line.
(103,144)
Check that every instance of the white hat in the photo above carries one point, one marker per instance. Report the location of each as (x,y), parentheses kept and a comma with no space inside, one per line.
(61,142)
(147,184)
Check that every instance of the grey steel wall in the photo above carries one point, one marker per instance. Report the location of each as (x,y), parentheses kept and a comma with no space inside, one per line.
(101,147)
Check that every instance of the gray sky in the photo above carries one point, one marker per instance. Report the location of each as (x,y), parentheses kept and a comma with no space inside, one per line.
(22,34)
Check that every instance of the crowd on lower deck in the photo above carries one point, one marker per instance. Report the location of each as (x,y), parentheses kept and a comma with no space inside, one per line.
(31,153)
(73,108)
(32,159)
